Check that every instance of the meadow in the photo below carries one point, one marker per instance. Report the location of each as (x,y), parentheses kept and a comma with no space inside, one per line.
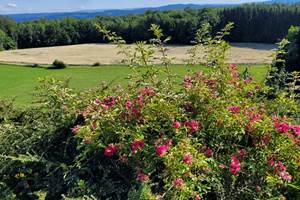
(19,82)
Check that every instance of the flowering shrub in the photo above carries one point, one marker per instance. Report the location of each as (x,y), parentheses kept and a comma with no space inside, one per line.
(216,136)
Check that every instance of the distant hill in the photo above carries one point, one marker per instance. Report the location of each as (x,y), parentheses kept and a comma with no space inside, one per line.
(285,1)
(121,12)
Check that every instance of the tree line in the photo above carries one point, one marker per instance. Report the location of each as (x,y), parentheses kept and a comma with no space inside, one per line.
(253,23)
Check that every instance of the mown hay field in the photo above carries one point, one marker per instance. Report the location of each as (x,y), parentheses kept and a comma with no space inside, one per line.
(88,54)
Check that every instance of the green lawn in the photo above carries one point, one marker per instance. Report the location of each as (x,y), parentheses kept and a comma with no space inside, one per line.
(20,82)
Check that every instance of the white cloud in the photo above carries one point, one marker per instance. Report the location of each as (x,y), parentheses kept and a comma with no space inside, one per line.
(11,5)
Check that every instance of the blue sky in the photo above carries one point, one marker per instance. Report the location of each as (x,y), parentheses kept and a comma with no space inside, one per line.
(27,6)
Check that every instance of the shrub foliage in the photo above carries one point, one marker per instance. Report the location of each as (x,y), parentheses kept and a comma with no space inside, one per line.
(217,135)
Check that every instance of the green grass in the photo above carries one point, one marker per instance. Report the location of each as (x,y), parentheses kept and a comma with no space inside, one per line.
(20,82)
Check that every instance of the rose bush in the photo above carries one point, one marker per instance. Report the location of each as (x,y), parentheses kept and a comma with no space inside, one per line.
(216,135)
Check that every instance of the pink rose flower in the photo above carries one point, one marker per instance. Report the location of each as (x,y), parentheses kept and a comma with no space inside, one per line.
(178,182)
(110,150)
(282,127)
(128,104)
(137,145)
(142,177)
(176,125)
(147,91)
(161,150)
(296,129)
(192,125)
(285,176)
(234,109)
(187,158)
(235,165)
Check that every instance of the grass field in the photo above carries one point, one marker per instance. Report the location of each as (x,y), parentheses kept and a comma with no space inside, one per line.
(20,82)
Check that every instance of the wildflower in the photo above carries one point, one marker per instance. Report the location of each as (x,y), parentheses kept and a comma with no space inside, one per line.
(178,182)
(235,165)
(110,150)
(137,145)
(187,158)
(234,109)
(193,125)
(75,129)
(176,125)
(209,152)
(161,150)
(142,177)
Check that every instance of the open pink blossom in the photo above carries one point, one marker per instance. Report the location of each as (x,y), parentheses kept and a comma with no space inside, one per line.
(128,104)
(235,165)
(271,161)
(282,127)
(187,158)
(142,177)
(137,145)
(176,125)
(110,150)
(161,150)
(234,109)
(296,129)
(285,176)
(178,182)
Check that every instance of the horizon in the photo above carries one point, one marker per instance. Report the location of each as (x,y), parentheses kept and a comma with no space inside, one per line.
(8,7)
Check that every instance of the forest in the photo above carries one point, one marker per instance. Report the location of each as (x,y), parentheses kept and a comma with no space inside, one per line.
(252,22)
